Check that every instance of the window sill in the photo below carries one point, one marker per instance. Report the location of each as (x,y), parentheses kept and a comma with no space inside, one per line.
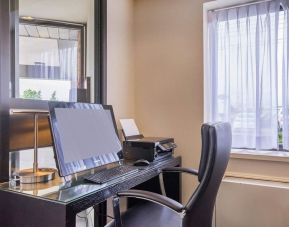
(276,156)
(283,184)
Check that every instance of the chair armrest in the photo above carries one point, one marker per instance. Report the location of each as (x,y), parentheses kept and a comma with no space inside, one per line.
(180,170)
(153,197)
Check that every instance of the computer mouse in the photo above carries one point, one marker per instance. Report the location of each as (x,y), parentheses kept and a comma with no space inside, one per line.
(141,162)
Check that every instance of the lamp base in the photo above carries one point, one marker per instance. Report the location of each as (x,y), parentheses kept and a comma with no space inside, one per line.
(27,176)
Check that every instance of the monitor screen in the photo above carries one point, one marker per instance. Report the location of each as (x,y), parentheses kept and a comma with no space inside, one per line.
(85,136)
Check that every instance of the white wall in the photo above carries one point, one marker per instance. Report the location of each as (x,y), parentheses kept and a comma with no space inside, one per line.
(64,10)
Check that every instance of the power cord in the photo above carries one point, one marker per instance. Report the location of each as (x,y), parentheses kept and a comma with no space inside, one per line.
(98,214)
(86,219)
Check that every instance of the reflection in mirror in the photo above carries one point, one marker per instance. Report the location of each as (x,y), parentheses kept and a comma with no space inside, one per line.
(54,37)
(49,61)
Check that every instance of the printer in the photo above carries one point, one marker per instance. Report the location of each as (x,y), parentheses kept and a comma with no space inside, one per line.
(136,146)
(148,148)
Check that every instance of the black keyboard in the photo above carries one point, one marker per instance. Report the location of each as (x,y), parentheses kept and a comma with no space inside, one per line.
(107,175)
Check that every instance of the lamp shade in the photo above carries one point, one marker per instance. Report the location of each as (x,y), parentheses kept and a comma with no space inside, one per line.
(22,131)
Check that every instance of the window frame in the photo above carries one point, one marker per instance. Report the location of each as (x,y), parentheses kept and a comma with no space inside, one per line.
(236,152)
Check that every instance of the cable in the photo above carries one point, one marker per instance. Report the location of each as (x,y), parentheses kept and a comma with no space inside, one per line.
(86,219)
(91,209)
(98,214)
(85,214)
(104,215)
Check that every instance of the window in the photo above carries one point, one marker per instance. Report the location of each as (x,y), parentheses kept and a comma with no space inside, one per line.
(247,74)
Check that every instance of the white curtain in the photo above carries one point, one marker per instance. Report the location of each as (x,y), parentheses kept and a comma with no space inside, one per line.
(285,76)
(63,55)
(61,63)
(68,59)
(68,64)
(242,69)
(48,60)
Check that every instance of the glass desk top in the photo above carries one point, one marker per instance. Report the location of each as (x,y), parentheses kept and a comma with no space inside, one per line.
(62,191)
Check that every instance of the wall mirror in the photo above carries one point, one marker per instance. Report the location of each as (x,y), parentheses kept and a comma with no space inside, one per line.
(54,50)
(50,50)
(52,58)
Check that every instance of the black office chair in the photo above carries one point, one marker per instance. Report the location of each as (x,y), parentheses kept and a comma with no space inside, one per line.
(198,212)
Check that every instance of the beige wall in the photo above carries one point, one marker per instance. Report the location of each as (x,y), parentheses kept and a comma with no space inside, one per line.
(155,74)
(169,74)
(250,203)
(120,61)
(169,102)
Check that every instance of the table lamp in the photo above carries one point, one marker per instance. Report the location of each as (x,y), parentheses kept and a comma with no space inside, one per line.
(35,174)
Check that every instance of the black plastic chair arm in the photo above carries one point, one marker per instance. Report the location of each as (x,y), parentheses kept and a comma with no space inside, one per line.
(153,197)
(180,170)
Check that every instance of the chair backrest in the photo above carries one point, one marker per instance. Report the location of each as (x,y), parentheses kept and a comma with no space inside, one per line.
(216,147)
(205,150)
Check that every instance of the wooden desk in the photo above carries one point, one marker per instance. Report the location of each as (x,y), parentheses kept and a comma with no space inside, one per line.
(56,203)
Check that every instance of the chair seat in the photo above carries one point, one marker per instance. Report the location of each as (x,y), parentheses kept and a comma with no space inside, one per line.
(149,215)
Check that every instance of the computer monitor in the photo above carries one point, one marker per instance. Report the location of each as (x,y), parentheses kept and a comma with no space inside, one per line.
(84,135)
